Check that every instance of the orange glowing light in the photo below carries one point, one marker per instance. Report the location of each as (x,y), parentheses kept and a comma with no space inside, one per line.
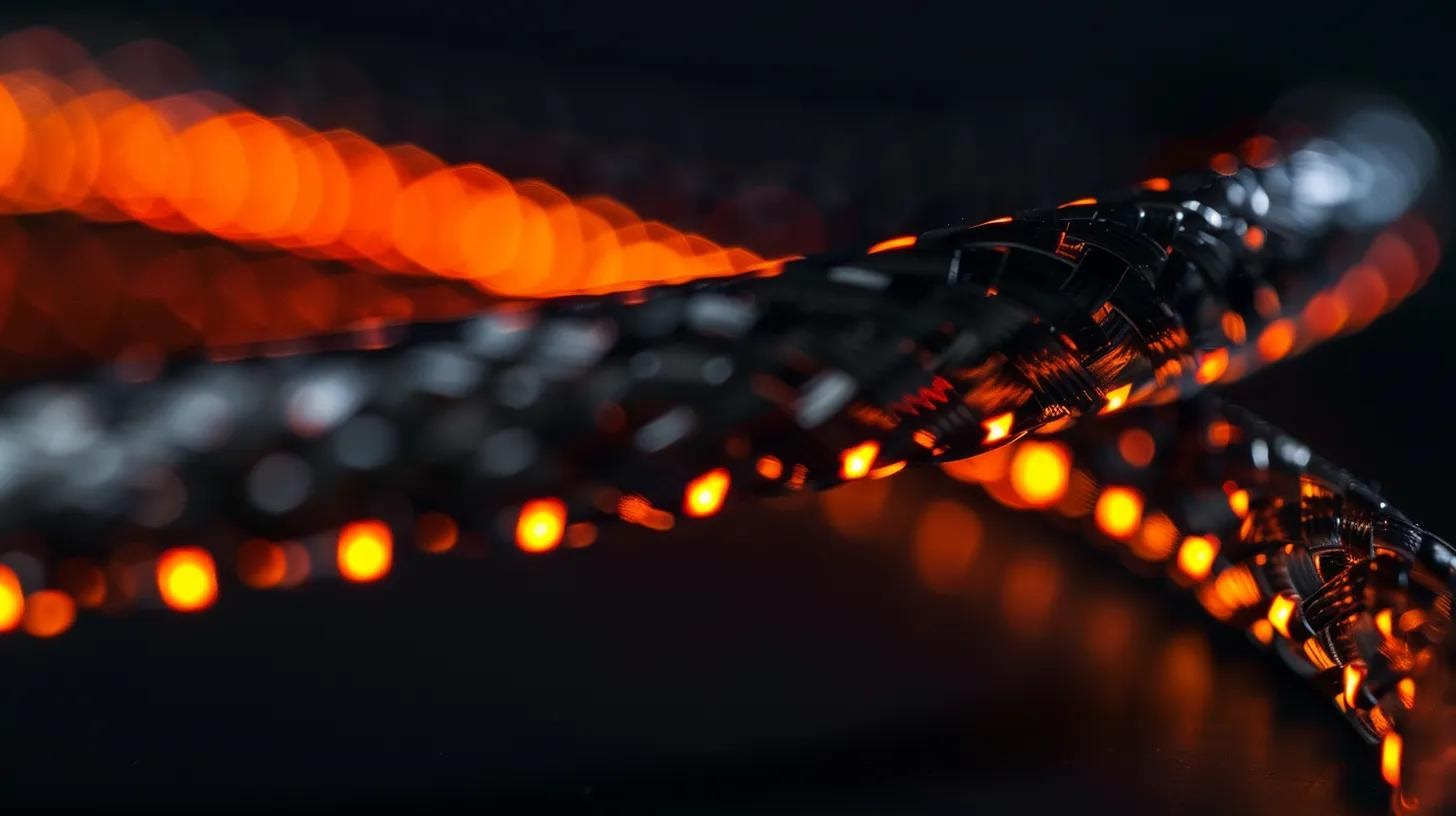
(1157,184)
(1005,219)
(886,471)
(1195,557)
(1238,502)
(262,564)
(893,243)
(1254,238)
(1390,751)
(924,438)
(1136,446)
(1263,631)
(1353,676)
(187,578)
(436,532)
(1116,398)
(1155,538)
(704,495)
(1119,511)
(1325,314)
(1224,164)
(1220,433)
(1281,609)
(769,467)
(1040,472)
(998,427)
(1233,327)
(581,534)
(1385,622)
(1079,202)
(1213,365)
(541,525)
(856,462)
(48,612)
(1406,688)
(1276,340)
(12,600)
(365,550)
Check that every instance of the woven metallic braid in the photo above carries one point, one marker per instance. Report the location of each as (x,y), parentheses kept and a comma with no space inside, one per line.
(1314,564)
(939,347)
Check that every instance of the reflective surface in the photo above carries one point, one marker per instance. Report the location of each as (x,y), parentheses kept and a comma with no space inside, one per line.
(897,644)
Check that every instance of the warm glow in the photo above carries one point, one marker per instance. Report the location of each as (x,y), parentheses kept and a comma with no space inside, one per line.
(893,243)
(998,427)
(1406,689)
(1263,631)
(1224,164)
(1079,202)
(541,525)
(1040,472)
(1213,365)
(262,564)
(1276,340)
(187,578)
(924,438)
(12,600)
(365,551)
(1281,609)
(856,462)
(1254,238)
(1390,751)
(1195,557)
(704,495)
(1354,675)
(769,467)
(1116,398)
(1157,184)
(1238,501)
(1119,511)
(48,613)
(1233,327)
(1136,446)
(1384,621)
(436,532)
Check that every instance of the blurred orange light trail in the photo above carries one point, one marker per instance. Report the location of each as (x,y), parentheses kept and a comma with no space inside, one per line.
(856,462)
(199,163)
(187,578)
(365,551)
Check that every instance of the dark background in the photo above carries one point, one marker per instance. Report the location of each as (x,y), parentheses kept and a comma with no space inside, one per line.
(765,661)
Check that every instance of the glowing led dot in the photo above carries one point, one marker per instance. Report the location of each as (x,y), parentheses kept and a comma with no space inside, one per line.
(1254,238)
(1212,366)
(1390,751)
(1281,609)
(1224,164)
(365,550)
(704,495)
(187,578)
(1220,433)
(1119,511)
(541,525)
(1263,631)
(1195,557)
(436,532)
(262,564)
(998,427)
(1078,202)
(1040,472)
(1353,676)
(1276,340)
(856,462)
(1157,184)
(1233,327)
(48,613)
(12,600)
(1136,446)
(1238,502)
(893,243)
(1406,688)
(1116,398)
(924,438)
(769,467)
(1384,621)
